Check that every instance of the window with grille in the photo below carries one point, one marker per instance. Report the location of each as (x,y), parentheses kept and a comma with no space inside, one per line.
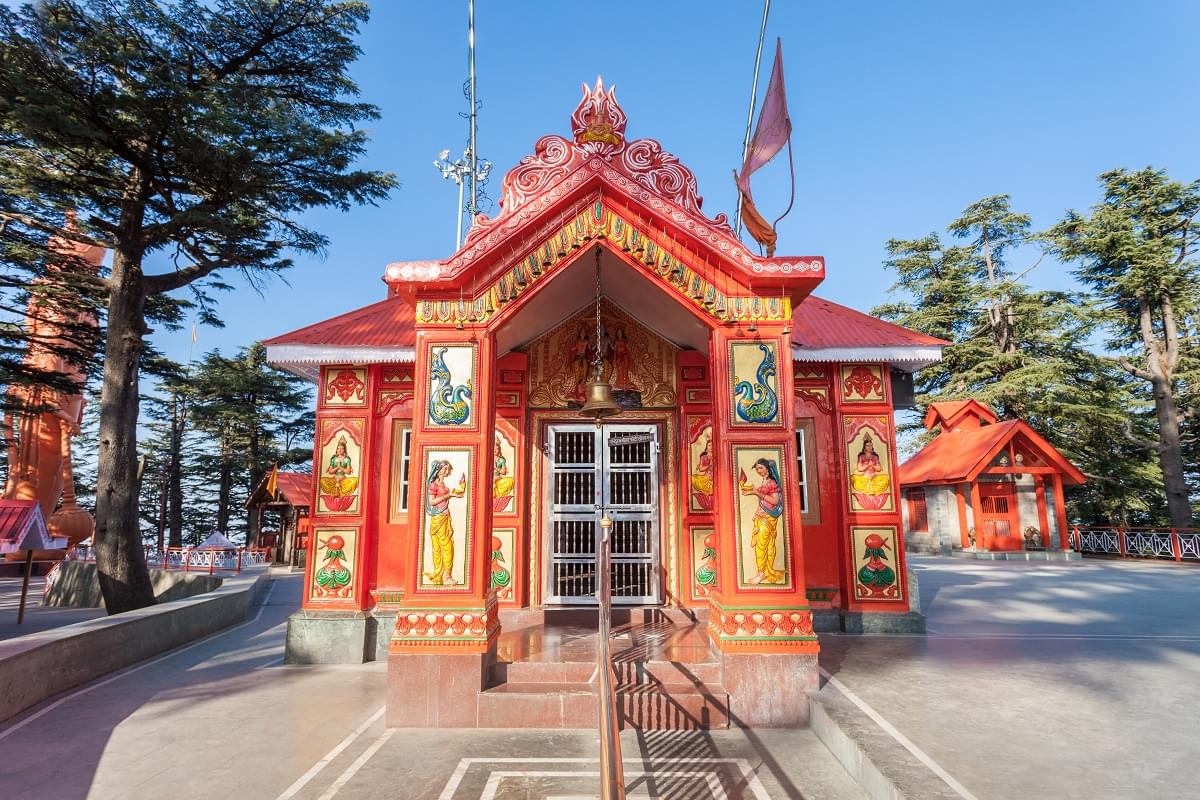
(401,457)
(918,512)
(802,468)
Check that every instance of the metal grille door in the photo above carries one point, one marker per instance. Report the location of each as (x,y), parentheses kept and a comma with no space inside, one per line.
(614,468)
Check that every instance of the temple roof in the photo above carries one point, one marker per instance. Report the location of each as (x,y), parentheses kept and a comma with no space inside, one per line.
(293,488)
(959,413)
(954,456)
(22,527)
(823,330)
(384,332)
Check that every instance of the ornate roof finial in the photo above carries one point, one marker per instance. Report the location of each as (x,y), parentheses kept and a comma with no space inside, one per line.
(598,123)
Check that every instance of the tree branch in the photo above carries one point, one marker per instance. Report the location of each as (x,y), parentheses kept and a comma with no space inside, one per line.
(1146,443)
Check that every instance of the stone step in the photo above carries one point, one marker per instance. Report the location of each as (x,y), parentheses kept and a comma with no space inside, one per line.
(707,673)
(517,618)
(573,705)
(673,707)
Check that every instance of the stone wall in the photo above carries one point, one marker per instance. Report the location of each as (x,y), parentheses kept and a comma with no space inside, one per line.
(77,585)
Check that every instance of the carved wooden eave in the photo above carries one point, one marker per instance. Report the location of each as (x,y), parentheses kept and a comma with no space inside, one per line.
(652,195)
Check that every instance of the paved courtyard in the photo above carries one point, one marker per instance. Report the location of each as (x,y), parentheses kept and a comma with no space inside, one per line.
(1037,680)
(37,617)
(1043,680)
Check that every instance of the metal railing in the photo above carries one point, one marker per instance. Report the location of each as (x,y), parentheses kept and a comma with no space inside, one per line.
(1175,544)
(612,773)
(190,559)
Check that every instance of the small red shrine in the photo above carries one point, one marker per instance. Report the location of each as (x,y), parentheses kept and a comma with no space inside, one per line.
(985,486)
(289,500)
(751,475)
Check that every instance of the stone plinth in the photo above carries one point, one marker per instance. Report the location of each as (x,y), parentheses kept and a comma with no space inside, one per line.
(428,690)
(769,690)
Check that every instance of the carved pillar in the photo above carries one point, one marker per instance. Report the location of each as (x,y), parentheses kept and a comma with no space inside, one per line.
(447,626)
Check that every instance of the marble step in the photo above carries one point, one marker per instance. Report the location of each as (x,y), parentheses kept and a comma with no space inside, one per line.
(707,673)
(573,705)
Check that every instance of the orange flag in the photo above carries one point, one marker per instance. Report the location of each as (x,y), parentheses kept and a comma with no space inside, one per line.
(771,134)
(273,482)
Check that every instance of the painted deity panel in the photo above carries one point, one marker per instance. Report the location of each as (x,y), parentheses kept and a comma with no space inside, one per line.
(452,376)
(639,365)
(876,564)
(504,468)
(345,386)
(862,383)
(870,466)
(761,519)
(445,545)
(340,478)
(700,464)
(754,383)
(703,561)
(333,570)
(503,560)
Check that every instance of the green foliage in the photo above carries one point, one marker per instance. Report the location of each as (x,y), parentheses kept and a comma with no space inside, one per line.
(1136,252)
(1022,351)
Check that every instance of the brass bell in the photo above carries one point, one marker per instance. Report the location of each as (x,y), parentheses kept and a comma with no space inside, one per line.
(600,402)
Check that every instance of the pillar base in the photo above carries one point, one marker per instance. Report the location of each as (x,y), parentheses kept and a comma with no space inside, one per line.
(326,637)
(762,630)
(769,690)
(426,690)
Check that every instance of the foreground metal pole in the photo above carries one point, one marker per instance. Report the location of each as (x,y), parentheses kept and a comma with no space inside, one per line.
(25,590)
(612,772)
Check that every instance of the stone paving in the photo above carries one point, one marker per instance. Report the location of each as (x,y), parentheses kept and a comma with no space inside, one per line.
(1074,680)
(37,617)
(224,717)
(1038,680)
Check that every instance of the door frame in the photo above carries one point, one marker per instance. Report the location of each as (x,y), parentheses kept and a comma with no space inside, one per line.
(669,509)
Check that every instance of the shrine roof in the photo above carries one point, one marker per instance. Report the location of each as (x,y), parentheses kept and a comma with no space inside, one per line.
(293,488)
(823,330)
(962,455)
(383,332)
(22,527)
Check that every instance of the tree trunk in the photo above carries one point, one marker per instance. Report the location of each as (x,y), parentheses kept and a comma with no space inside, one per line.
(1170,455)
(175,475)
(224,488)
(253,518)
(120,558)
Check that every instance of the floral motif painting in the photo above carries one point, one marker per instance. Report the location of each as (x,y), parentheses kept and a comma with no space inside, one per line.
(451,385)
(754,383)
(333,564)
(639,365)
(503,563)
(704,561)
(444,548)
(504,469)
(862,383)
(762,527)
(870,467)
(339,480)
(876,564)
(345,386)
(700,464)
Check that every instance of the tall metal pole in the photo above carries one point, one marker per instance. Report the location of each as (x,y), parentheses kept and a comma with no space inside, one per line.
(473,158)
(762,31)
(458,226)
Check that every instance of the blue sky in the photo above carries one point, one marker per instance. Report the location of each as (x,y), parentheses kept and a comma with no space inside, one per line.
(904,113)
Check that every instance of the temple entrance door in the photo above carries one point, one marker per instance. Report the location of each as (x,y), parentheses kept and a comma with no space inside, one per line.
(1001,526)
(590,470)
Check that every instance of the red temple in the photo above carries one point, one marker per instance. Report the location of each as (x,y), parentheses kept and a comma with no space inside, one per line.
(985,486)
(751,475)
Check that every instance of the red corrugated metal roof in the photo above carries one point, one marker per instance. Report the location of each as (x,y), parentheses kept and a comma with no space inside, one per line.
(388,323)
(818,323)
(22,527)
(295,487)
(949,413)
(960,455)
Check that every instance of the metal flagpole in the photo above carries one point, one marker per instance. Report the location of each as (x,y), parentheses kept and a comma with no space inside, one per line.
(762,32)
(473,163)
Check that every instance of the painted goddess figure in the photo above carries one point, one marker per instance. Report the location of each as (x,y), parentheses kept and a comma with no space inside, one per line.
(766,519)
(870,481)
(441,528)
(502,482)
